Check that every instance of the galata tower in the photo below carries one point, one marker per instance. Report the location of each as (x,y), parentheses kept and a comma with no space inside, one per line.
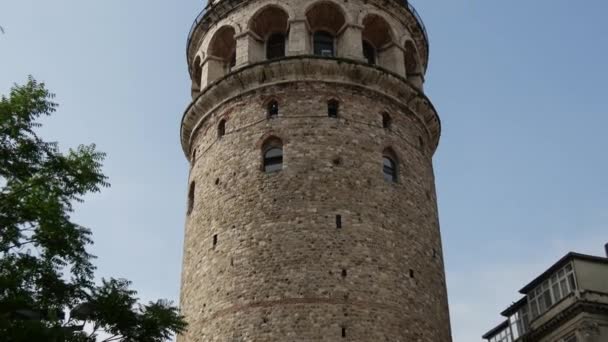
(312,213)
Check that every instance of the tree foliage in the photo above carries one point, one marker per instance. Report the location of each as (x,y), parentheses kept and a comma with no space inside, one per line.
(45,269)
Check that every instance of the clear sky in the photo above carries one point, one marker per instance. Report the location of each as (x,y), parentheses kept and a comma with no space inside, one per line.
(521,87)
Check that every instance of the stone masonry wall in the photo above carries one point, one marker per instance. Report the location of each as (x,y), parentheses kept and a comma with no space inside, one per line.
(280,269)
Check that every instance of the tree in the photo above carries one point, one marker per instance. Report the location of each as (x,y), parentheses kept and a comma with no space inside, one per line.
(47,291)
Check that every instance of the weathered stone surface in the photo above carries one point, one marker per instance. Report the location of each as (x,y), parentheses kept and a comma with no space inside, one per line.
(264,257)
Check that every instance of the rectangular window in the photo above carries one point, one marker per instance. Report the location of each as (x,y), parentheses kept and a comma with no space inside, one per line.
(338,221)
(551,291)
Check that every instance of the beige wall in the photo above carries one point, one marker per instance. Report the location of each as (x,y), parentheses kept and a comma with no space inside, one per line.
(591,276)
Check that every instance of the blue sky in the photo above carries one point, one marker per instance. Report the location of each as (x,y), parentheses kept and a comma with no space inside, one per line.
(521,168)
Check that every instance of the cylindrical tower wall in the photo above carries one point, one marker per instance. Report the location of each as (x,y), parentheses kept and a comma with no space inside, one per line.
(327,247)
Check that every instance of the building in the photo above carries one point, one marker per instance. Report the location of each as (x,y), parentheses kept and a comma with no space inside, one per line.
(312,213)
(566,303)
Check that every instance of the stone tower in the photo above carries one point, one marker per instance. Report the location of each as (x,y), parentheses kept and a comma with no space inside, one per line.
(312,212)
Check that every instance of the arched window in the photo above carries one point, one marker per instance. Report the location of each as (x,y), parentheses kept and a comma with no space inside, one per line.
(272,155)
(390,169)
(197,73)
(333,107)
(369,52)
(323,44)
(191,197)
(273,109)
(221,128)
(275,46)
(389,166)
(223,47)
(386,121)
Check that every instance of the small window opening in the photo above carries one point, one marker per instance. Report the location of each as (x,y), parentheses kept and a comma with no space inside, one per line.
(214,240)
(273,159)
(338,221)
(411,273)
(275,46)
(369,52)
(273,109)
(389,169)
(221,129)
(323,44)
(386,121)
(191,197)
(344,273)
(343,332)
(333,107)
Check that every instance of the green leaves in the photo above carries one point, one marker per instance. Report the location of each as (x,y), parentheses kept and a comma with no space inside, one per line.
(45,268)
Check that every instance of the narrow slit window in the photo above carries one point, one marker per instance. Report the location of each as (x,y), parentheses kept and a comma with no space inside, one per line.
(214,240)
(343,332)
(338,221)
(344,273)
(221,129)
(273,109)
(411,273)
(191,197)
(333,107)
(386,121)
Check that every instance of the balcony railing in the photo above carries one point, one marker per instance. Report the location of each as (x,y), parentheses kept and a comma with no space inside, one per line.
(210,4)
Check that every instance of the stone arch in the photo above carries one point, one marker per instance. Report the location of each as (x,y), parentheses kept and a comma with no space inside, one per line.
(327,16)
(377,30)
(269,28)
(222,46)
(268,20)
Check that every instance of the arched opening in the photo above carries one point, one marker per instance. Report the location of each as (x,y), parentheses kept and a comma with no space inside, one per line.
(377,35)
(325,20)
(272,155)
(389,166)
(223,48)
(386,121)
(270,26)
(275,46)
(197,73)
(221,128)
(369,52)
(333,108)
(273,109)
(413,70)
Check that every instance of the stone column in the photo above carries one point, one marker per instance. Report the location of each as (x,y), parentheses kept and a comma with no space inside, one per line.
(350,42)
(299,38)
(391,58)
(249,49)
(213,68)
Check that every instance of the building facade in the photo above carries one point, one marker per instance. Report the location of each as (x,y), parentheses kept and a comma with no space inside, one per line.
(312,213)
(566,303)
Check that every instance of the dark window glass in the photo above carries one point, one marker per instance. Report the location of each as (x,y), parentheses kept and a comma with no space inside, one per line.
(273,109)
(369,52)
(221,129)
(333,107)
(275,46)
(386,121)
(323,44)
(273,159)
(338,221)
(390,170)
